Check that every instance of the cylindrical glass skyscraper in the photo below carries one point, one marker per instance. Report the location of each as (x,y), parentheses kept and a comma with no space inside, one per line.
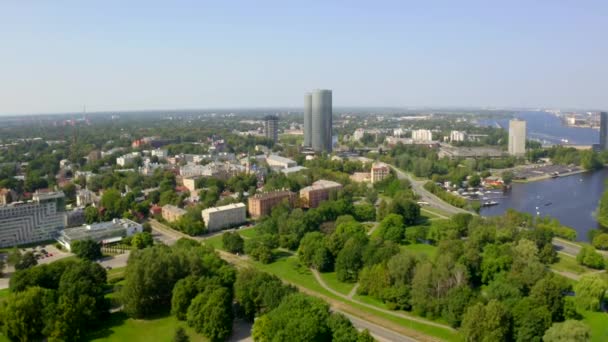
(321,120)
(308,120)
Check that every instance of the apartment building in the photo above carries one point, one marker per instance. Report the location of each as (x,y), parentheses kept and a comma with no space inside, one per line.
(217,218)
(379,172)
(318,192)
(260,205)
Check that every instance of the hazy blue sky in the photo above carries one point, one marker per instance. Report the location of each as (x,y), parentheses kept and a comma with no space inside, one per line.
(56,56)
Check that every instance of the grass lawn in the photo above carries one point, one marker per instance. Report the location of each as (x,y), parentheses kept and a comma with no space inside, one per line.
(215,241)
(332,281)
(598,322)
(116,273)
(248,233)
(435,211)
(290,269)
(122,328)
(421,248)
(569,264)
(4,293)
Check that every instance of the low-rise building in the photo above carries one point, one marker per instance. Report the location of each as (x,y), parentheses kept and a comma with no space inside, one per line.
(360,177)
(318,192)
(104,232)
(226,216)
(74,218)
(260,205)
(379,172)
(274,160)
(126,159)
(160,153)
(86,197)
(190,183)
(172,213)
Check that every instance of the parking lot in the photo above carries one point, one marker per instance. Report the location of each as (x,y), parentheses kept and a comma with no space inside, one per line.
(544,170)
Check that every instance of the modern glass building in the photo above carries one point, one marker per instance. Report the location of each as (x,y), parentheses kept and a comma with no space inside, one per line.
(321,137)
(603,131)
(308,120)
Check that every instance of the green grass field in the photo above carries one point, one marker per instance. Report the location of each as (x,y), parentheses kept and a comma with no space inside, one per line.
(569,264)
(122,328)
(598,322)
(421,248)
(436,211)
(248,233)
(215,241)
(332,281)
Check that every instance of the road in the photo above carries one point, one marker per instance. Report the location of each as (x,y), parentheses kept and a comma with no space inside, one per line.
(426,196)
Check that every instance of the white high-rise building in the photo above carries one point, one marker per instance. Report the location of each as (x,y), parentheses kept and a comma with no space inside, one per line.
(517,137)
(422,135)
(458,136)
(38,220)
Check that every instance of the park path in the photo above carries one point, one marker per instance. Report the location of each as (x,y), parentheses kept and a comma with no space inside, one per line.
(382,329)
(389,312)
(352,292)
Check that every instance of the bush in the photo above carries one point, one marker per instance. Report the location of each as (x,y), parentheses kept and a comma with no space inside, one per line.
(589,257)
(600,241)
(446,196)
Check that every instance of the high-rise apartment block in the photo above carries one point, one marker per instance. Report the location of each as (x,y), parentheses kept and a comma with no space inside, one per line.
(603,131)
(517,137)
(271,127)
(260,205)
(318,120)
(38,220)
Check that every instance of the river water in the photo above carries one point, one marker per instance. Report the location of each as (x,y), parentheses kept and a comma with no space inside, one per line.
(573,199)
(548,129)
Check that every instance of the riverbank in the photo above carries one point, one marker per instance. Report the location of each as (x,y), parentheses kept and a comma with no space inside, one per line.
(548,176)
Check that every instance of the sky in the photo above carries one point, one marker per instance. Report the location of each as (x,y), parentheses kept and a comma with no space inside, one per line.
(58,56)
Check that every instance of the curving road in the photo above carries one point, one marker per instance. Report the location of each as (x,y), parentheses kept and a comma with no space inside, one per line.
(426,196)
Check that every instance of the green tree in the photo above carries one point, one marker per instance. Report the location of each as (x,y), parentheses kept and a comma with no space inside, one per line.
(568,331)
(474,180)
(26,313)
(91,215)
(600,241)
(211,314)
(233,242)
(142,240)
(183,293)
(590,291)
(86,249)
(313,253)
(530,321)
(258,292)
(392,228)
(26,261)
(298,318)
(589,257)
(486,323)
(350,260)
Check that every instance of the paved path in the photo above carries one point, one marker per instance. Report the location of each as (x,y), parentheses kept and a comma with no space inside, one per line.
(427,196)
(389,312)
(376,325)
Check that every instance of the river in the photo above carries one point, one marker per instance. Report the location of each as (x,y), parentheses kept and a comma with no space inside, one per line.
(548,129)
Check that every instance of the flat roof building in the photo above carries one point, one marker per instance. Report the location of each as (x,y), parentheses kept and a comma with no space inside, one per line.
(517,137)
(274,160)
(379,172)
(38,220)
(104,232)
(172,213)
(226,216)
(260,205)
(318,192)
(271,127)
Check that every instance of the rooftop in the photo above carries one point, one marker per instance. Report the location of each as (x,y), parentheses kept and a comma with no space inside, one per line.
(322,184)
(98,231)
(224,207)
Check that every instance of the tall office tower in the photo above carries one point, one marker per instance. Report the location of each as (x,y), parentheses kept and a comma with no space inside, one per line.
(321,120)
(271,127)
(308,120)
(517,137)
(603,131)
